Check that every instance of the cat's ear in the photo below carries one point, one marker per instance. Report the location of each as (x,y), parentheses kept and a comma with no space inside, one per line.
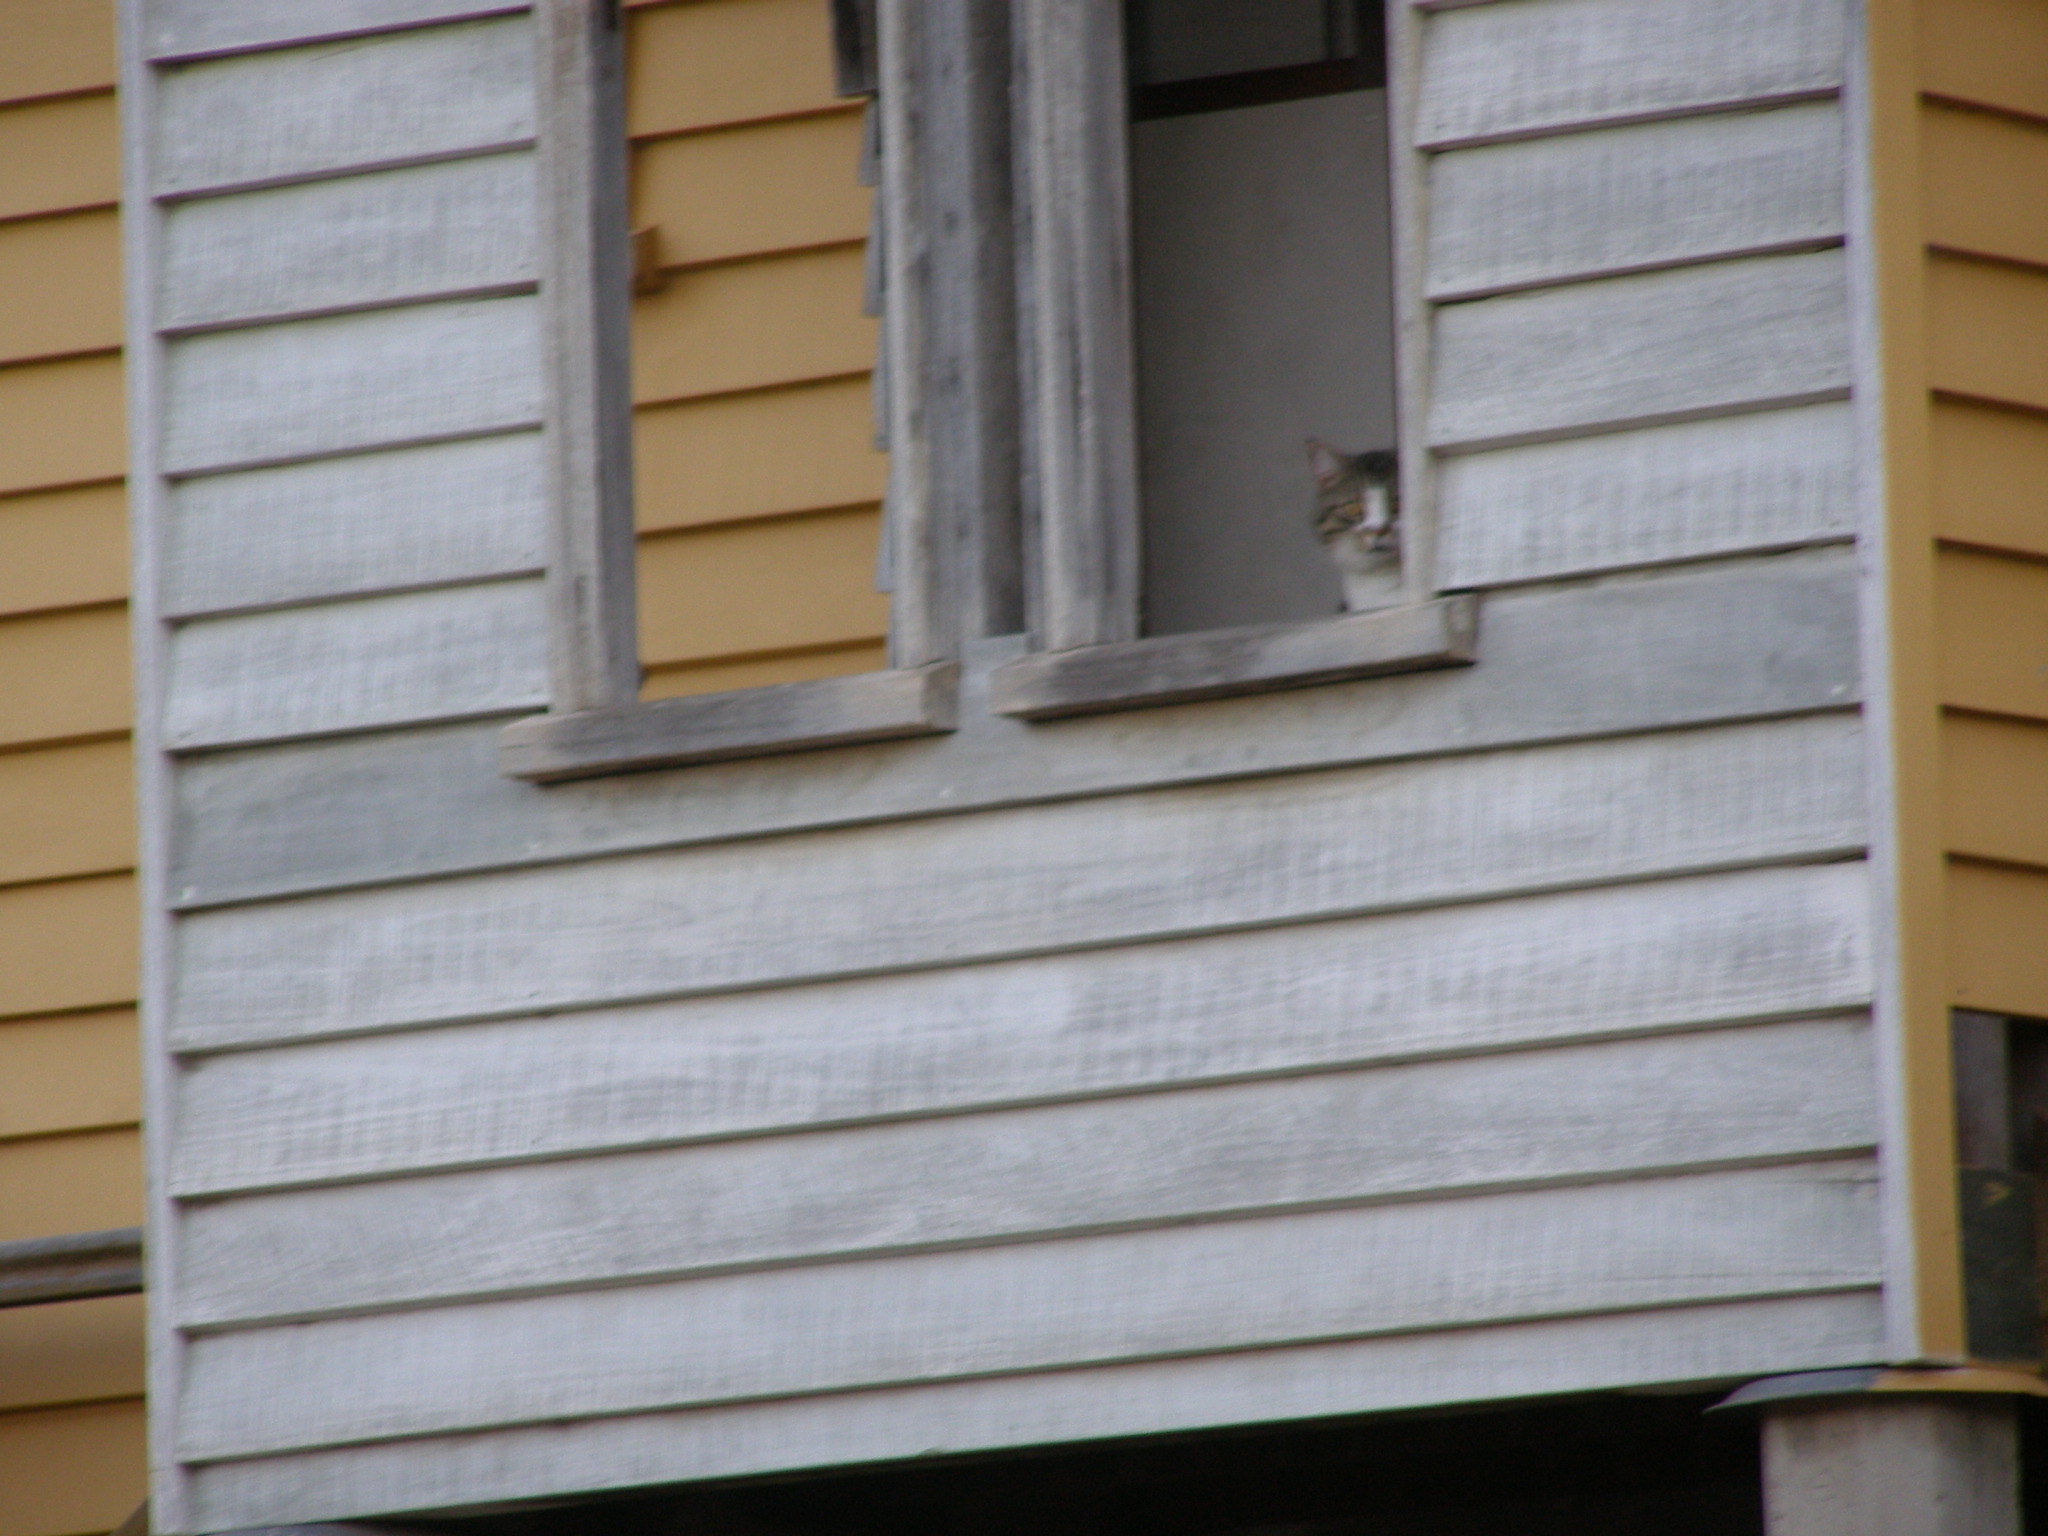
(1332,468)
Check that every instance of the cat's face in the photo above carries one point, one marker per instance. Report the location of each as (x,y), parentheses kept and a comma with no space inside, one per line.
(1355,494)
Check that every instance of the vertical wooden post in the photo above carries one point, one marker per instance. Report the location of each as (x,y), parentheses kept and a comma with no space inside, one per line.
(586,294)
(1904,1466)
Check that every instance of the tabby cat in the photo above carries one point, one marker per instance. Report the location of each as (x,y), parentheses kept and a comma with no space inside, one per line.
(1358,518)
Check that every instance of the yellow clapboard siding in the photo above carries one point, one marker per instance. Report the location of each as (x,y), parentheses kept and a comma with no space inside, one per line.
(1996,917)
(1991,476)
(63,549)
(726,676)
(90,1468)
(740,456)
(64,676)
(777,320)
(49,46)
(88,1182)
(71,1352)
(61,423)
(741,191)
(63,278)
(1988,51)
(1993,616)
(1995,789)
(67,944)
(67,811)
(1988,330)
(742,589)
(69,1072)
(1984,183)
(706,62)
(56,155)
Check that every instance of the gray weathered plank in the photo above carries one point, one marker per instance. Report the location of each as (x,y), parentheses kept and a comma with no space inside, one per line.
(317,110)
(1678,954)
(1209,1286)
(350,666)
(410,517)
(1632,653)
(175,29)
(1620,199)
(1760,1093)
(308,387)
(1521,66)
(1029,878)
(1765,480)
(1657,346)
(427,231)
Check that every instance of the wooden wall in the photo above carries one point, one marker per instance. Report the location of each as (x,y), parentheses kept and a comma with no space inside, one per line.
(71,1453)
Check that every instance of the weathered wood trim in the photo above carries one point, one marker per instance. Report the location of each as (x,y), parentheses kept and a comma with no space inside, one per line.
(180,31)
(1176,669)
(716,727)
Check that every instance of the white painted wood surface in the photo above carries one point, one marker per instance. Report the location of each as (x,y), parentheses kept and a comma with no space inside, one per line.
(1629,654)
(175,29)
(453,227)
(310,387)
(1699,489)
(316,110)
(1552,1357)
(1521,66)
(1033,878)
(351,666)
(1447,982)
(1947,1464)
(1621,199)
(1176,1290)
(1657,346)
(352,526)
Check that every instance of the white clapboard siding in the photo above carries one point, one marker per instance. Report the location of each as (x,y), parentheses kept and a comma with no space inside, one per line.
(176,29)
(1632,653)
(1617,199)
(350,666)
(1711,949)
(447,512)
(1727,1341)
(1659,345)
(1176,1290)
(1033,878)
(1520,66)
(308,387)
(424,231)
(315,110)
(1698,489)
(1759,1093)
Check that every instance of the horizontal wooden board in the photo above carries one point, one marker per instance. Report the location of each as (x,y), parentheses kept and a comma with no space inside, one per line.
(55,47)
(1706,950)
(70,811)
(785,584)
(752,325)
(447,512)
(1619,199)
(350,666)
(76,1351)
(1996,916)
(1757,481)
(59,155)
(1659,345)
(320,109)
(310,387)
(1190,1289)
(64,675)
(1990,476)
(87,1182)
(424,231)
(715,196)
(1630,653)
(714,62)
(63,549)
(1490,71)
(92,1468)
(1026,879)
(1408,1132)
(71,1072)
(1982,51)
(690,679)
(67,944)
(62,423)
(64,275)
(1995,789)
(1973,167)
(182,28)
(1987,330)
(1994,633)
